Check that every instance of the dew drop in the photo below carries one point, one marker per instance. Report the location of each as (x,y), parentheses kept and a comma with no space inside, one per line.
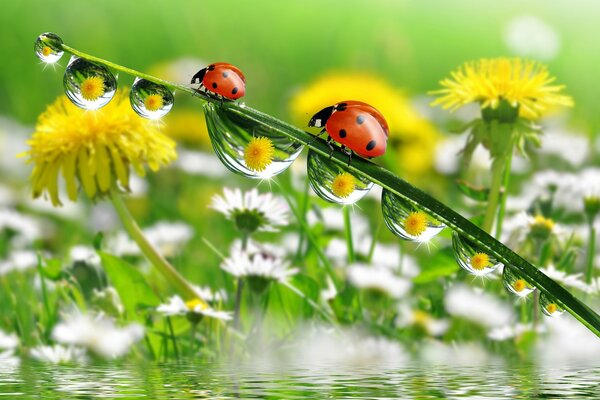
(150,100)
(89,85)
(247,147)
(515,283)
(472,258)
(550,307)
(48,47)
(331,182)
(407,220)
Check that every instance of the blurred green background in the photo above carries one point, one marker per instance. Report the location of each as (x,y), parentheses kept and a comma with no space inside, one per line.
(282,45)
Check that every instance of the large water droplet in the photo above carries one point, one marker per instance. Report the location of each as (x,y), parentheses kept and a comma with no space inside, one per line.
(88,84)
(408,221)
(150,100)
(514,283)
(247,147)
(472,258)
(332,182)
(550,307)
(48,47)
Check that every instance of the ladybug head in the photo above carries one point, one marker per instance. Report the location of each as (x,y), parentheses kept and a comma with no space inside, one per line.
(199,76)
(320,119)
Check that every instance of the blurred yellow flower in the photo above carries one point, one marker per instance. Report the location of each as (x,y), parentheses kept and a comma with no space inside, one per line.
(187,126)
(412,138)
(94,148)
(522,84)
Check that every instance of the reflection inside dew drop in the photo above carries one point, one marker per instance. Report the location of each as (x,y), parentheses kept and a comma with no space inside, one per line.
(89,85)
(150,100)
(515,283)
(550,307)
(246,147)
(333,183)
(408,221)
(48,47)
(471,258)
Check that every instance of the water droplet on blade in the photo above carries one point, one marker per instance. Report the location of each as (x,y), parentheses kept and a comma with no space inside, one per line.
(247,147)
(48,47)
(150,100)
(515,284)
(550,307)
(332,182)
(89,85)
(472,258)
(408,221)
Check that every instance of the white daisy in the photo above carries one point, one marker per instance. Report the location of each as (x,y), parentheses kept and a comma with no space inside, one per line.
(176,306)
(256,262)
(511,331)
(85,254)
(58,354)
(251,211)
(478,306)
(209,295)
(433,326)
(23,225)
(571,280)
(378,279)
(19,260)
(98,334)
(8,341)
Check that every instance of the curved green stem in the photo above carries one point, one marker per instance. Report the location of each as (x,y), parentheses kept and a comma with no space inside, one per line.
(399,187)
(163,266)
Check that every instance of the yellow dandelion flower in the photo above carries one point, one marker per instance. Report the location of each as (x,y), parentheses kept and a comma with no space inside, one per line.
(520,83)
(153,102)
(480,261)
(343,185)
(519,285)
(195,303)
(92,88)
(412,139)
(93,148)
(551,308)
(415,223)
(259,153)
(541,227)
(46,51)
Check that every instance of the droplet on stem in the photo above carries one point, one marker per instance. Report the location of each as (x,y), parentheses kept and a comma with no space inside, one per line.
(150,100)
(515,284)
(48,47)
(471,257)
(88,84)
(550,307)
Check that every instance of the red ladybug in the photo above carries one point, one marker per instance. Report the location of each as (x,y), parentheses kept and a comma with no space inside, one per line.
(222,79)
(356,125)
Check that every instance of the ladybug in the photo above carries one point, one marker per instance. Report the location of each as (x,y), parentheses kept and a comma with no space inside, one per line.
(222,79)
(357,126)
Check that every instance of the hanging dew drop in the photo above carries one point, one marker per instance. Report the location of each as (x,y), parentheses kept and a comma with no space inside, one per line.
(48,47)
(150,100)
(515,284)
(331,182)
(89,85)
(408,221)
(550,307)
(247,147)
(471,258)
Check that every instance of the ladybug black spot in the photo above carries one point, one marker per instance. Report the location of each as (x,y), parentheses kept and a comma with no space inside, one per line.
(371,145)
(214,85)
(235,90)
(341,107)
(342,133)
(225,74)
(360,119)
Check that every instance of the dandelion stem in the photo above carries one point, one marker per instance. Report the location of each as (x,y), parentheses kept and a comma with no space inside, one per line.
(163,266)
(496,184)
(589,272)
(348,230)
(504,195)
(399,187)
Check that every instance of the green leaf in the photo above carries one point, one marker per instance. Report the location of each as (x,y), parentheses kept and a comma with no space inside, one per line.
(441,264)
(130,284)
(51,269)
(473,192)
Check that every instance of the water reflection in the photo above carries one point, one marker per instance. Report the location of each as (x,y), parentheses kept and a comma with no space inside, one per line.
(191,380)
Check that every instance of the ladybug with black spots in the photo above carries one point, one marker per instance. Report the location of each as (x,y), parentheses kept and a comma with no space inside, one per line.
(222,79)
(358,127)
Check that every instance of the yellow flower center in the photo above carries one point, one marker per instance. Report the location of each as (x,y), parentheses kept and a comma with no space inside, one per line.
(551,308)
(46,51)
(154,102)
(519,285)
(420,318)
(415,223)
(195,303)
(259,153)
(343,185)
(92,88)
(480,261)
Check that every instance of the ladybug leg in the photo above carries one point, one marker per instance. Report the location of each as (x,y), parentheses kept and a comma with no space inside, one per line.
(348,152)
(329,140)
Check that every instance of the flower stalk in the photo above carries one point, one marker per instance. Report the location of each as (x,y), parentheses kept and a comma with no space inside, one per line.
(380,176)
